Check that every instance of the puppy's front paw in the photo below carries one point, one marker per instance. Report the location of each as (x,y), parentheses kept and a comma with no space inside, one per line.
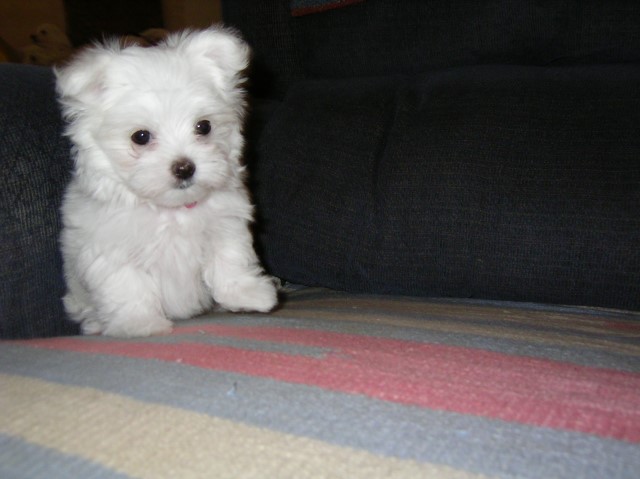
(250,293)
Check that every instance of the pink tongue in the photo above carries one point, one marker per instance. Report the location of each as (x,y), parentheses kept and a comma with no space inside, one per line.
(191,205)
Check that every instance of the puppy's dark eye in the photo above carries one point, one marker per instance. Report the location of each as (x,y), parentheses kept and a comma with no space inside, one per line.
(141,137)
(203,127)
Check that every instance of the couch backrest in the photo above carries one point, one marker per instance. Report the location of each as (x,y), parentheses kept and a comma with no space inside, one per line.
(380,37)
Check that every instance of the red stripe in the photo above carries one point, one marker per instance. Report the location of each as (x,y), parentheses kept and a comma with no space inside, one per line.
(463,380)
(633,327)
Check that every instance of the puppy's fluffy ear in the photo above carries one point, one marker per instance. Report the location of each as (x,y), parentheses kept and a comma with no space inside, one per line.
(80,82)
(220,49)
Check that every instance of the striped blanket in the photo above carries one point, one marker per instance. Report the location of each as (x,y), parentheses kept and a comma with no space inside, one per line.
(333,385)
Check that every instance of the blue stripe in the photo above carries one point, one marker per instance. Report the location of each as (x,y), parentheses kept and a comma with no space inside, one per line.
(23,460)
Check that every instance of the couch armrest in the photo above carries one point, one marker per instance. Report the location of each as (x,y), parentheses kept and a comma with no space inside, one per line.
(35,162)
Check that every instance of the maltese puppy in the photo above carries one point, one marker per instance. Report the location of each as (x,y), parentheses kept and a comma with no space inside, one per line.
(156,216)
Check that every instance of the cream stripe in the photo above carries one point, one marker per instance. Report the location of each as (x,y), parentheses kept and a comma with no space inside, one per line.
(148,440)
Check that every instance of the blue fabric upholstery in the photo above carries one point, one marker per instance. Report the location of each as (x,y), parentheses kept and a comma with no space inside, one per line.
(35,164)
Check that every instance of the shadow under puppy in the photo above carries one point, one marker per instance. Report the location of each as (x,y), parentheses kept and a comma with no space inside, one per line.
(156,216)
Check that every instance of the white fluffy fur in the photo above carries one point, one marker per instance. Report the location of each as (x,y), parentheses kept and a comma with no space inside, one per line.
(135,255)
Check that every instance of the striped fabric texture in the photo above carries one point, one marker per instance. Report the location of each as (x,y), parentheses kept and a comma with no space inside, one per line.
(333,385)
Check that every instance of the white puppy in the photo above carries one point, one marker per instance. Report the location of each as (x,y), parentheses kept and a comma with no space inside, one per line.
(156,216)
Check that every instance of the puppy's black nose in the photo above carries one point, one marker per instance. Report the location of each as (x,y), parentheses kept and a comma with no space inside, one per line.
(183,169)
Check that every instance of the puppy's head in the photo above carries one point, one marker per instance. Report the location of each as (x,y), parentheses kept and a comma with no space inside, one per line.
(162,122)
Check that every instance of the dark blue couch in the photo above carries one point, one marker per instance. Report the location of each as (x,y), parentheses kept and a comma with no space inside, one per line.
(469,149)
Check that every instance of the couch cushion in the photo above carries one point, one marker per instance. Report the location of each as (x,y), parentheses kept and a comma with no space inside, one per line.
(517,183)
(35,163)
